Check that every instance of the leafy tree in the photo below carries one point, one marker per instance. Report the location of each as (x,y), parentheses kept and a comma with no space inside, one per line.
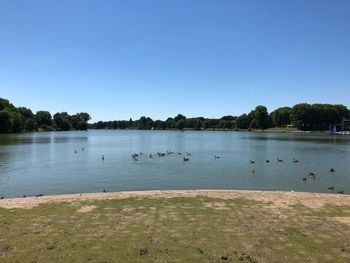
(281,117)
(260,118)
(43,118)
(180,124)
(5,121)
(243,121)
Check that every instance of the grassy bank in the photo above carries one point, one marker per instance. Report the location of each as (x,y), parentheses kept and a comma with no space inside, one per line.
(177,228)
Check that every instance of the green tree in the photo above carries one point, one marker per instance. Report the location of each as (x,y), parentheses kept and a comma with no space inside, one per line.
(5,121)
(180,124)
(260,118)
(281,117)
(43,118)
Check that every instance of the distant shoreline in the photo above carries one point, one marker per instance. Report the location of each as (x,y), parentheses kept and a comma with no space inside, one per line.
(281,198)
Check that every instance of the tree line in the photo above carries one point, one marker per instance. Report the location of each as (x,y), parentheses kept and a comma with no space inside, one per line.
(302,116)
(21,119)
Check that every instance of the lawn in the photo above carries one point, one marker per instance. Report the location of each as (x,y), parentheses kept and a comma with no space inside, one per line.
(177,229)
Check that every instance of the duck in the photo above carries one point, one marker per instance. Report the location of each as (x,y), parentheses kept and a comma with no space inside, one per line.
(150,155)
(295,161)
(341,192)
(267,161)
(103,157)
(312,175)
(251,161)
(331,187)
(216,157)
(253,171)
(279,160)
(332,170)
(186,159)
(304,179)
(39,195)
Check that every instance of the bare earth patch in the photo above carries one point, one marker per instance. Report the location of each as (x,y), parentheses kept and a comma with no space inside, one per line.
(217,205)
(275,198)
(86,208)
(343,219)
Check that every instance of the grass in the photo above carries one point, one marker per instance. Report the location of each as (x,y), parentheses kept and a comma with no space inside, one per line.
(188,229)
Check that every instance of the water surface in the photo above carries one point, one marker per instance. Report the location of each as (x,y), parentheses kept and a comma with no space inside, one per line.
(47,163)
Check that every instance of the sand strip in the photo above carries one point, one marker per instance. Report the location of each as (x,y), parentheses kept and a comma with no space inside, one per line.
(275,198)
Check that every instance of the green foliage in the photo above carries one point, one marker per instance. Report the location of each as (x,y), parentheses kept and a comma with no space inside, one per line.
(22,119)
(281,117)
(5,121)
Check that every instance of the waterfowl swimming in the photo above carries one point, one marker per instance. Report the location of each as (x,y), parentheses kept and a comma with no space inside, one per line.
(279,160)
(39,195)
(179,153)
(331,187)
(267,161)
(186,159)
(216,157)
(251,161)
(82,149)
(295,161)
(2,197)
(150,155)
(134,155)
(103,157)
(75,151)
(312,175)
(105,191)
(332,170)
(188,154)
(304,179)
(341,192)
(253,171)
(24,196)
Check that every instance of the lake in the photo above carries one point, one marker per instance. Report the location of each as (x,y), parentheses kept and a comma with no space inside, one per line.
(46,162)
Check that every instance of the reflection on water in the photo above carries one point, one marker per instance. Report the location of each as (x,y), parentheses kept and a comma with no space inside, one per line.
(70,162)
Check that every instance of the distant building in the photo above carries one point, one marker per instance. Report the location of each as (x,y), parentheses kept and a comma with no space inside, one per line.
(345,125)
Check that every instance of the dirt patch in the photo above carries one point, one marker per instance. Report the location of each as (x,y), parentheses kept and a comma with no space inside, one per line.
(217,205)
(275,199)
(86,208)
(343,219)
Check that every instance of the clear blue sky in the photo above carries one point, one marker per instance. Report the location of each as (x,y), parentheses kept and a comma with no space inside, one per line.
(122,59)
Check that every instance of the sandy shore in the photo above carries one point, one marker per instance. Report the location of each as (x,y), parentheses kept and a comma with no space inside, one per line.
(274,198)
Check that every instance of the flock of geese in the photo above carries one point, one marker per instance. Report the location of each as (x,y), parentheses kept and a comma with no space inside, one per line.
(311,175)
(186,158)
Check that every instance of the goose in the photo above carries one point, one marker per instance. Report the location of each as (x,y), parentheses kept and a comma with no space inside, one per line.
(312,175)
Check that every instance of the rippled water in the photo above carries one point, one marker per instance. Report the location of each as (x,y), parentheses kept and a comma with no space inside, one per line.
(47,163)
